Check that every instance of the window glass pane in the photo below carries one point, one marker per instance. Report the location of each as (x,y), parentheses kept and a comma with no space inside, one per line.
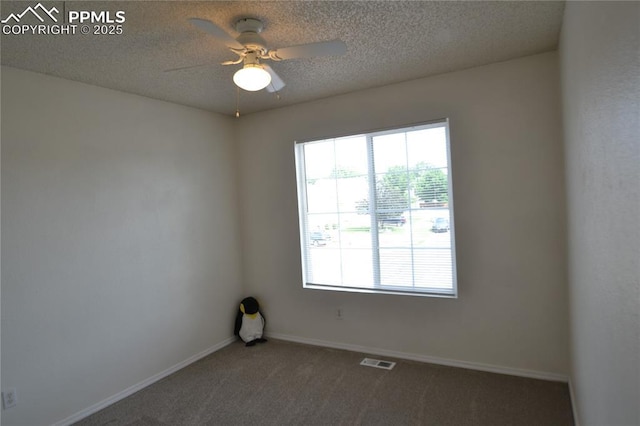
(351,157)
(396,267)
(392,185)
(428,152)
(392,192)
(352,194)
(355,232)
(324,222)
(432,268)
(428,146)
(329,264)
(358,270)
(390,151)
(319,160)
(325,266)
(321,195)
(395,233)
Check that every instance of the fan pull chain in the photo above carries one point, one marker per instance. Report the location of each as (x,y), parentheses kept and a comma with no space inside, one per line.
(237,102)
(274,90)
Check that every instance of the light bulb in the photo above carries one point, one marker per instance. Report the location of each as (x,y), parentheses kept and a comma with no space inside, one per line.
(252,77)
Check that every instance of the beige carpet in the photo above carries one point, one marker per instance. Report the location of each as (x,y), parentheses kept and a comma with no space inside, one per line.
(282,383)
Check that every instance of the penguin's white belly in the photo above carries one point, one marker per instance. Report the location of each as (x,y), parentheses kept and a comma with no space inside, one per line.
(251,327)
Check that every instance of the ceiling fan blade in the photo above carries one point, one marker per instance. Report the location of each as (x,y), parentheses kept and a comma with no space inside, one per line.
(211,28)
(276,82)
(321,48)
(188,67)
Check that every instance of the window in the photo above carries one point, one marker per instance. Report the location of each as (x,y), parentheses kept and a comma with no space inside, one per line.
(376,212)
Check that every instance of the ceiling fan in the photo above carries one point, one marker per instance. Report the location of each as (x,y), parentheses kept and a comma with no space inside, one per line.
(251,49)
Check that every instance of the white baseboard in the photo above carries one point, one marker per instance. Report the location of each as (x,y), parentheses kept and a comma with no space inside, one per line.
(428,359)
(143,384)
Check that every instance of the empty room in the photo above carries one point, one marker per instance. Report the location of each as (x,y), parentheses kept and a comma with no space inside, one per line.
(320,212)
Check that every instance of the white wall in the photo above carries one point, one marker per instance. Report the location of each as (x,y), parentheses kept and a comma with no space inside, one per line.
(120,252)
(509,198)
(600,57)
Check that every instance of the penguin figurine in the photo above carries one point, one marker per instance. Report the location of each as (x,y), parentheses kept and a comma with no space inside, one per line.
(250,322)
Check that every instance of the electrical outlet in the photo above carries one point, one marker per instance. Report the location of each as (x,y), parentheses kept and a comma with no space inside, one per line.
(9,398)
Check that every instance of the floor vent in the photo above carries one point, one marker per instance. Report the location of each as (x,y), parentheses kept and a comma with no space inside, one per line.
(385,365)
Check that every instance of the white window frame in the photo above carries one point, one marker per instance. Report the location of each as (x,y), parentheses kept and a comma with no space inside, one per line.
(376,287)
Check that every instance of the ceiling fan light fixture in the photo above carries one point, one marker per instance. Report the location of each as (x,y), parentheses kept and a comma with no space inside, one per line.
(252,77)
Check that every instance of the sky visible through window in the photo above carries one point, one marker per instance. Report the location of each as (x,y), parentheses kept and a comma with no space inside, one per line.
(427,146)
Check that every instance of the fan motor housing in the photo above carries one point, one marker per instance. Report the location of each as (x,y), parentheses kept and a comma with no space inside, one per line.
(249,24)
(249,29)
(252,41)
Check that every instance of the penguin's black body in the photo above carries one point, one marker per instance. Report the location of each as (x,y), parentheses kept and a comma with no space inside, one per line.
(250,322)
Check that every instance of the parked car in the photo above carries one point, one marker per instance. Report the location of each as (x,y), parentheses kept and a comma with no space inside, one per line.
(441,224)
(319,238)
(397,221)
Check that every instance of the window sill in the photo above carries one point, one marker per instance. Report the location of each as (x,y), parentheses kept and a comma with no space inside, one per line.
(382,290)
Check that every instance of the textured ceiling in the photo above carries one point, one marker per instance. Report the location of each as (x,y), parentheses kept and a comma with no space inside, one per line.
(387,42)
